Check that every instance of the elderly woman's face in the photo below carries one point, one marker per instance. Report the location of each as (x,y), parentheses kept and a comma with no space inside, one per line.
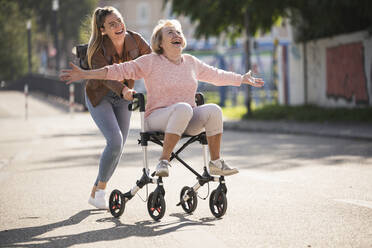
(114,27)
(172,40)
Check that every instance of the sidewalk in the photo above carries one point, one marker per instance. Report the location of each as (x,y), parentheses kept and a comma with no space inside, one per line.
(339,130)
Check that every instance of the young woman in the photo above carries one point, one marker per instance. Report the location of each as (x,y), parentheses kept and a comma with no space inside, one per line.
(171,80)
(110,43)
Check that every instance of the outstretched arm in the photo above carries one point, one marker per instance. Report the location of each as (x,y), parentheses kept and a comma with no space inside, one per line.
(134,69)
(75,74)
(213,75)
(249,79)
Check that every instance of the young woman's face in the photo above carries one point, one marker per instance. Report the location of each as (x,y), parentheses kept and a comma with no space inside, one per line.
(172,40)
(114,27)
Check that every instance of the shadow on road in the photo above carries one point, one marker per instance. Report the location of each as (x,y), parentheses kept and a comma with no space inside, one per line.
(28,237)
(279,152)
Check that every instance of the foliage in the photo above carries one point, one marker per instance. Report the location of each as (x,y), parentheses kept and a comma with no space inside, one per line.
(13,52)
(85,30)
(70,14)
(216,16)
(312,113)
(13,34)
(317,18)
(229,111)
(312,18)
(234,113)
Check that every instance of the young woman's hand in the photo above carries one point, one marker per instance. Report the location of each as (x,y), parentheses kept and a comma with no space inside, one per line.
(249,79)
(71,75)
(128,93)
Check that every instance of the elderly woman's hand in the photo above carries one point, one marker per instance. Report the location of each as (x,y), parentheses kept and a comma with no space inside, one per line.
(71,75)
(249,79)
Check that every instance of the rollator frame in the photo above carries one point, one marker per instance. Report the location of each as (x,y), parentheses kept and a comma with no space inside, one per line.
(188,197)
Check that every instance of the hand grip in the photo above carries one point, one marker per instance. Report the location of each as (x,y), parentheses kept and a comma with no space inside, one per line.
(138,103)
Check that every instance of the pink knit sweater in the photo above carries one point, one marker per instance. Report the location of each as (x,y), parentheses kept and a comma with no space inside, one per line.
(167,83)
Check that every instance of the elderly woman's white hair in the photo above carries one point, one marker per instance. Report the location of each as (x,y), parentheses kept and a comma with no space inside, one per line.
(157,36)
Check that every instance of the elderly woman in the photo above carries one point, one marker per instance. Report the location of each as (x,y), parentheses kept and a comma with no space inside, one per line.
(171,80)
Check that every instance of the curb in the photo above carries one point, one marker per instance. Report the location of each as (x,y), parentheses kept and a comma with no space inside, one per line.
(338,130)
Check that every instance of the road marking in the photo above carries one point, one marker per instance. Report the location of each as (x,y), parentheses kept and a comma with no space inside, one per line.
(367,204)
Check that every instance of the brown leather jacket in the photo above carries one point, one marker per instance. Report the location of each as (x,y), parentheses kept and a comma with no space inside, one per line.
(134,46)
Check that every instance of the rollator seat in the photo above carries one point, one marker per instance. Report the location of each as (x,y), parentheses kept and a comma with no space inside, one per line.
(199,100)
(160,135)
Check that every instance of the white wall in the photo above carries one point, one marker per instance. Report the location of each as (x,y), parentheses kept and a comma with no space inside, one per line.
(352,70)
(296,72)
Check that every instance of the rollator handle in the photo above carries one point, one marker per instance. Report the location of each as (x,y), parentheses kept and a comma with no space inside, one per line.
(199,98)
(139,103)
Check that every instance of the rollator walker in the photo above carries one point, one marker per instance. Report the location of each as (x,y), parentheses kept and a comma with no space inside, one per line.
(189,195)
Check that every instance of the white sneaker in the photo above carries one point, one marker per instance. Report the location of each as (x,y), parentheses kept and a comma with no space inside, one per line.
(99,200)
(220,168)
(162,169)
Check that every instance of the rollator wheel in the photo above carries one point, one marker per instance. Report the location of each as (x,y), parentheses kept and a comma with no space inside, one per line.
(156,206)
(218,203)
(116,203)
(190,205)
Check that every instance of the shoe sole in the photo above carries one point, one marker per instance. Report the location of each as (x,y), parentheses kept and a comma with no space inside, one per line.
(96,206)
(214,171)
(162,174)
(222,173)
(231,173)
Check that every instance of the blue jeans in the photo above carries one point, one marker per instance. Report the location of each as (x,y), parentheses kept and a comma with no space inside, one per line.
(112,117)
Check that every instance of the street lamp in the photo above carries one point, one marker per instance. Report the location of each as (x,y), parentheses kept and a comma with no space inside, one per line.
(55,7)
(28,25)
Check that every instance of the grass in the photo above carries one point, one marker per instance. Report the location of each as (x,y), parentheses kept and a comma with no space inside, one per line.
(306,113)
(303,113)
(234,113)
(229,111)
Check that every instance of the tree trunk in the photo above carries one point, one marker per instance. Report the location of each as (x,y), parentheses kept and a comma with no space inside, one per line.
(247,61)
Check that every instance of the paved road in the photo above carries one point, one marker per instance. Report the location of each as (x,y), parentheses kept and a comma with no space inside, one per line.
(292,190)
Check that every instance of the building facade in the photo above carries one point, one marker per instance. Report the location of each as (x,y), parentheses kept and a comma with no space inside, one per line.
(143,15)
(332,72)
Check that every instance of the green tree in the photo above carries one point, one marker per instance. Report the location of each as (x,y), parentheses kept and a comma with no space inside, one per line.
(312,18)
(13,48)
(216,16)
(317,19)
(13,33)
(71,14)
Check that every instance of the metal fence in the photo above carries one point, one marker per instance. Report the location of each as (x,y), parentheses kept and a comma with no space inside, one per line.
(48,85)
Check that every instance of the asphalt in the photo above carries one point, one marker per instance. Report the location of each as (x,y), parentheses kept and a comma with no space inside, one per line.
(291,191)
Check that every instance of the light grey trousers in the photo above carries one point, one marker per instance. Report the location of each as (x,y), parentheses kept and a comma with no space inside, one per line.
(181,118)
(112,117)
